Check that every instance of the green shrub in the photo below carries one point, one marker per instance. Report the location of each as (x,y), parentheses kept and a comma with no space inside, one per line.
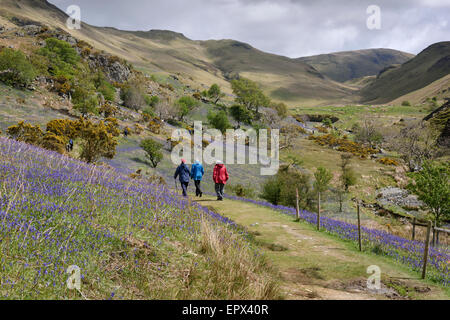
(241,114)
(104,87)
(62,57)
(15,69)
(185,105)
(132,96)
(151,101)
(406,103)
(242,191)
(281,189)
(153,151)
(219,120)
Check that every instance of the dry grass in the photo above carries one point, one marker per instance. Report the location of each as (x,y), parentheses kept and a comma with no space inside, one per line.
(238,274)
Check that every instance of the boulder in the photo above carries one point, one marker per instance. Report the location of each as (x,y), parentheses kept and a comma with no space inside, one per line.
(32,30)
(399,197)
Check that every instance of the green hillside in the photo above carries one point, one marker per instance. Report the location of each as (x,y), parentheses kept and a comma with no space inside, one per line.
(197,63)
(430,65)
(349,65)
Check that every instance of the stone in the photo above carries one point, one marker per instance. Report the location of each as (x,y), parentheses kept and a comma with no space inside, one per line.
(32,30)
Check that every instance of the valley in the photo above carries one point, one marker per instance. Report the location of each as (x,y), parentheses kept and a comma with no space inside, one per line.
(366,126)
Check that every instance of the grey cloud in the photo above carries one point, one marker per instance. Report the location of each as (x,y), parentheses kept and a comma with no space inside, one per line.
(288,27)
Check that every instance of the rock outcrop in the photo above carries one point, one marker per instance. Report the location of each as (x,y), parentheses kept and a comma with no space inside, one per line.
(398,197)
(115,70)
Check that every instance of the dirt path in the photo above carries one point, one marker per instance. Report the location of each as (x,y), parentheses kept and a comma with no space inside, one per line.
(315,265)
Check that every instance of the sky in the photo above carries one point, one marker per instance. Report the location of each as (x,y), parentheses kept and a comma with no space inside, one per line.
(293,28)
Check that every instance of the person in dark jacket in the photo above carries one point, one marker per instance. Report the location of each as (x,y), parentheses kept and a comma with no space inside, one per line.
(220,177)
(197,173)
(183,173)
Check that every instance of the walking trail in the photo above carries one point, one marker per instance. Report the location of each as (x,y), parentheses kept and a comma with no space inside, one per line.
(316,265)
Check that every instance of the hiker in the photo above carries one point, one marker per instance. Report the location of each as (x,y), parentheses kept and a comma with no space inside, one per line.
(71,145)
(220,177)
(197,173)
(183,173)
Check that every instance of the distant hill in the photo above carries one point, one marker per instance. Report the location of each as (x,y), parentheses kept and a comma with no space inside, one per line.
(199,63)
(427,67)
(311,81)
(349,65)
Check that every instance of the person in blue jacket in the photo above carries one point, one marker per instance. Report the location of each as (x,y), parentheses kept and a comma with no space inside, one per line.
(197,173)
(183,173)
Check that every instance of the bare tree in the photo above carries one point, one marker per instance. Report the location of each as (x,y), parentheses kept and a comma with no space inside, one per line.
(368,134)
(417,143)
(165,110)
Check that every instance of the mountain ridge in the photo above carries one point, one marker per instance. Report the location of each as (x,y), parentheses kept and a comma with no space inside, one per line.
(306,81)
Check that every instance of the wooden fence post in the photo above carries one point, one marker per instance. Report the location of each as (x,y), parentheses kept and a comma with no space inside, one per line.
(318,213)
(425,253)
(297,207)
(414,229)
(434,235)
(359,226)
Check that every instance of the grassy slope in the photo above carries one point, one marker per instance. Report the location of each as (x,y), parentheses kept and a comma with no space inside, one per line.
(131,239)
(317,265)
(284,79)
(430,65)
(198,63)
(439,89)
(344,66)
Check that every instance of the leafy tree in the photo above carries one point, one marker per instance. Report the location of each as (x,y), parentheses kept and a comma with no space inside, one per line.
(153,151)
(249,94)
(15,69)
(185,105)
(323,178)
(62,57)
(240,114)
(272,190)
(88,105)
(219,120)
(97,141)
(321,184)
(281,189)
(215,93)
(432,186)
(348,177)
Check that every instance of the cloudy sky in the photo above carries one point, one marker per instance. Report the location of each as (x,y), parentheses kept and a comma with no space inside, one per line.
(293,28)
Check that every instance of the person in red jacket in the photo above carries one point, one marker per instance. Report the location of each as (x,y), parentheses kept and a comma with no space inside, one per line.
(220,177)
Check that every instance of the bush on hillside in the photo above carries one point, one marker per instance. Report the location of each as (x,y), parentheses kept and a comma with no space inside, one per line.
(243,191)
(132,95)
(152,151)
(219,120)
(185,105)
(62,58)
(406,104)
(281,189)
(15,68)
(26,132)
